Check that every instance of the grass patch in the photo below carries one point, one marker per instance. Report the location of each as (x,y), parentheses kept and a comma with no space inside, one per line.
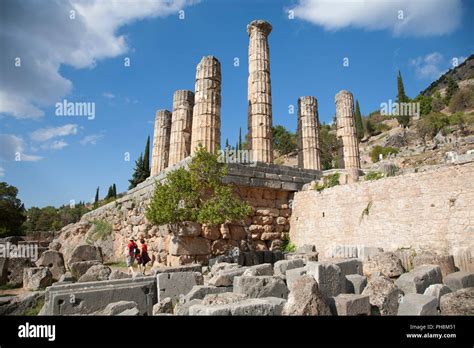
(9,287)
(33,311)
(328,181)
(373,176)
(100,231)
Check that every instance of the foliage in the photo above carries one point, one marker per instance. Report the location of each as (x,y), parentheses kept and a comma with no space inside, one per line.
(373,176)
(96,199)
(111,193)
(380,150)
(462,100)
(284,141)
(450,90)
(329,146)
(142,167)
(358,122)
(437,103)
(374,124)
(12,211)
(100,231)
(425,104)
(287,246)
(53,219)
(34,311)
(196,194)
(328,181)
(403,120)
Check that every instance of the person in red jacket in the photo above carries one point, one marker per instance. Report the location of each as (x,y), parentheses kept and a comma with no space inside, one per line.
(132,249)
(144,257)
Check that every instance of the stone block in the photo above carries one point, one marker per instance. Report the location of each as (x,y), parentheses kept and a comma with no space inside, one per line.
(189,246)
(355,283)
(280,267)
(293,274)
(313,256)
(86,252)
(194,267)
(387,263)
(264,269)
(88,298)
(174,285)
(437,290)
(78,269)
(349,266)
(417,304)
(330,279)
(117,308)
(459,280)
(247,307)
(419,279)
(35,278)
(200,291)
(226,277)
(54,261)
(188,229)
(261,286)
(305,298)
(15,267)
(95,273)
(383,295)
(445,262)
(460,302)
(352,304)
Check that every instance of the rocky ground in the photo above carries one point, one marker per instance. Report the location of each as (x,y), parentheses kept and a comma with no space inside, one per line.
(377,283)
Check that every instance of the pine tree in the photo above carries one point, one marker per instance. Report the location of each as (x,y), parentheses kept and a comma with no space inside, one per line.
(403,120)
(239,147)
(227,143)
(358,122)
(146,157)
(96,200)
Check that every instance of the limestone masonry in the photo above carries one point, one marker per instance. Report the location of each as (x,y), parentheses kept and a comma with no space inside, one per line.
(308,134)
(161,142)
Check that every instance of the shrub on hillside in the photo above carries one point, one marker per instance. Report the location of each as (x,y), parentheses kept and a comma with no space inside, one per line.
(380,150)
(462,99)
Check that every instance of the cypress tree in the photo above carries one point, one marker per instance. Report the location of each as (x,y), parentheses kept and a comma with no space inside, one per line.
(403,120)
(114,191)
(109,193)
(96,200)
(139,174)
(146,158)
(358,122)
(239,147)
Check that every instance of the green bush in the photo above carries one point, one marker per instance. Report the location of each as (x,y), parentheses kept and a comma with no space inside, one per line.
(462,99)
(197,194)
(328,181)
(287,246)
(380,150)
(373,176)
(100,231)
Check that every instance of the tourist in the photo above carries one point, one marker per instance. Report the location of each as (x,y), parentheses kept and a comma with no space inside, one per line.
(144,257)
(132,249)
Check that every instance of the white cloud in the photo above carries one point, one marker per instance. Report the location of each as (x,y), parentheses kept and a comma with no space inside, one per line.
(429,66)
(12,149)
(44,134)
(419,18)
(108,95)
(43,35)
(55,145)
(91,139)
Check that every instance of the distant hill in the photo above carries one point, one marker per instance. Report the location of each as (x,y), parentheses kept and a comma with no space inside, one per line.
(462,72)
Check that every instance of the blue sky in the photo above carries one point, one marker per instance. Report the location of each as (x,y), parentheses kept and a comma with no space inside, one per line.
(82,60)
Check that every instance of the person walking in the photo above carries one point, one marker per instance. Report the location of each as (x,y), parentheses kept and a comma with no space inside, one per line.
(144,257)
(131,250)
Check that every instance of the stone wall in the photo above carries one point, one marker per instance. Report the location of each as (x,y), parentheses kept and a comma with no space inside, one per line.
(267,187)
(430,210)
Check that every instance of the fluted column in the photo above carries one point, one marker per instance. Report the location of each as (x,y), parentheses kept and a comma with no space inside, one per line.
(346,131)
(206,125)
(181,123)
(259,92)
(308,134)
(161,142)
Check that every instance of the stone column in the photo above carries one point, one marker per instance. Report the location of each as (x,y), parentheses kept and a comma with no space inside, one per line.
(161,142)
(346,132)
(206,125)
(181,122)
(308,134)
(259,93)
